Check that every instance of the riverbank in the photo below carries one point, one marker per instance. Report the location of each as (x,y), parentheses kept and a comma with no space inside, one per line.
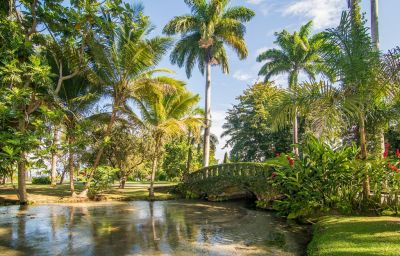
(352,236)
(40,194)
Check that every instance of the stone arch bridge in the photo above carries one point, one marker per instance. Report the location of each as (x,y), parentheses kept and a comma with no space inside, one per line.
(231,181)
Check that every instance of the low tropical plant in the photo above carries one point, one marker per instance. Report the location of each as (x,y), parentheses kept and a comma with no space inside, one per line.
(41,180)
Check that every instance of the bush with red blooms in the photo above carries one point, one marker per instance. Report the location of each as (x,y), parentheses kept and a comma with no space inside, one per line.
(290,161)
(323,179)
(386,152)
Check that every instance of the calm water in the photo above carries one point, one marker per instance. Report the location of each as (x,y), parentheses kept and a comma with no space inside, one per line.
(145,228)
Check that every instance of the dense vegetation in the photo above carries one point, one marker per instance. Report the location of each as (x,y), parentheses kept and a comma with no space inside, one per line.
(82,94)
(343,120)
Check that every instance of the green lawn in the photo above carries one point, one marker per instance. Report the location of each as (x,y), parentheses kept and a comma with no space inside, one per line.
(61,193)
(353,236)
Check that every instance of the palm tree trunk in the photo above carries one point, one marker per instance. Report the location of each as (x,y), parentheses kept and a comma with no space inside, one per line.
(154,169)
(71,165)
(363,142)
(375,42)
(54,156)
(189,157)
(295,135)
(100,152)
(207,130)
(375,23)
(22,194)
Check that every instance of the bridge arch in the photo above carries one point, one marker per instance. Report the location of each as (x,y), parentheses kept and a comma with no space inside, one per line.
(232,180)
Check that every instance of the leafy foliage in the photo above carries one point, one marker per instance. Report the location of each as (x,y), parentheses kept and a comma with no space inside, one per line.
(206,31)
(42,180)
(249,125)
(102,179)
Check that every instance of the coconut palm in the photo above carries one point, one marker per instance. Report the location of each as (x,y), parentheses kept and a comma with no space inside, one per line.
(322,106)
(123,63)
(77,97)
(298,52)
(204,34)
(166,116)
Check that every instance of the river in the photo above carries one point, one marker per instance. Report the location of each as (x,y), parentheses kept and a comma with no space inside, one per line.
(147,228)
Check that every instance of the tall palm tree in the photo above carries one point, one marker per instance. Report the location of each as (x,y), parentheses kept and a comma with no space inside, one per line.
(166,116)
(298,52)
(204,34)
(350,53)
(123,62)
(375,42)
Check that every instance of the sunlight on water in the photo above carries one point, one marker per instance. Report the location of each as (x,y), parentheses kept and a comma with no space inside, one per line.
(147,228)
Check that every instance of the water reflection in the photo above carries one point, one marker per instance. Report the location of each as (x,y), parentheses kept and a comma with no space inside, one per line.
(146,228)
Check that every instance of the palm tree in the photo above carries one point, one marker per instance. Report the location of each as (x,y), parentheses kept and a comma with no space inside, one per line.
(375,42)
(350,53)
(298,53)
(321,105)
(166,116)
(77,97)
(123,63)
(204,34)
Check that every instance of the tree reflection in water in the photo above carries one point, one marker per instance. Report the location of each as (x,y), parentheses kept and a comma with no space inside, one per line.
(147,228)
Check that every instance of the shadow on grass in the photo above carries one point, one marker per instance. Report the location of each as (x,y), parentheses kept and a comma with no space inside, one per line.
(48,194)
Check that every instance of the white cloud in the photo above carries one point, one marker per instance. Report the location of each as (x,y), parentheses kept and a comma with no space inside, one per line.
(325,13)
(242,76)
(250,75)
(256,2)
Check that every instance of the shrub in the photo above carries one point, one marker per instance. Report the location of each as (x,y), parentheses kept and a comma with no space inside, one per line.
(102,180)
(42,180)
(321,179)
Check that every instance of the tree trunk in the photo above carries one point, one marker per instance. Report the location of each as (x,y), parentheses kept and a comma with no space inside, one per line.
(364,152)
(375,23)
(71,164)
(154,168)
(54,156)
(295,135)
(152,178)
(22,194)
(122,180)
(62,176)
(207,130)
(375,42)
(100,152)
(189,157)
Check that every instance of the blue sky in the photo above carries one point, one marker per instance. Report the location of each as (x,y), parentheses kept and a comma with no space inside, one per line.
(271,16)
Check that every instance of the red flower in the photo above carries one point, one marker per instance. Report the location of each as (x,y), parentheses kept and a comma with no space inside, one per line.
(274,174)
(291,161)
(389,165)
(386,153)
(397,153)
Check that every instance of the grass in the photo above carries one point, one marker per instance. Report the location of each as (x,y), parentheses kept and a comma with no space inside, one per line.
(353,236)
(61,193)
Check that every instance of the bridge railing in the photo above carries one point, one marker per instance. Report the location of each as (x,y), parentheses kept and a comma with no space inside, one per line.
(231,169)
